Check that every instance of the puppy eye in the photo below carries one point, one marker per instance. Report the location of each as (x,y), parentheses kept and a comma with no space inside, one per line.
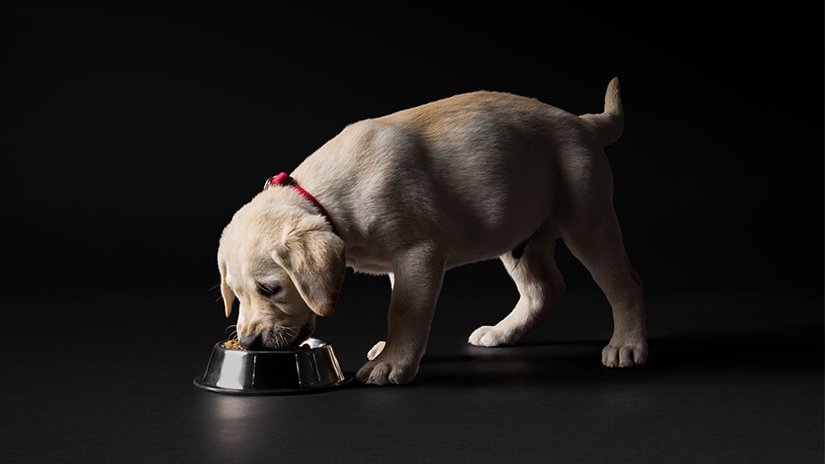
(268,290)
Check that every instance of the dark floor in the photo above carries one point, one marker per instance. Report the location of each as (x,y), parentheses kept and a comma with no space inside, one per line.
(732,377)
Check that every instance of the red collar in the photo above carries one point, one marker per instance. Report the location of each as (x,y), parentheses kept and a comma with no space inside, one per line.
(283,179)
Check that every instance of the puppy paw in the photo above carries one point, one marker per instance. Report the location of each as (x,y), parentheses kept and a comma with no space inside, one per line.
(490,336)
(627,353)
(380,372)
(376,350)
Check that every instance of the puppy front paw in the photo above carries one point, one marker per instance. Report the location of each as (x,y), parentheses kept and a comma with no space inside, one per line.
(625,353)
(490,336)
(382,372)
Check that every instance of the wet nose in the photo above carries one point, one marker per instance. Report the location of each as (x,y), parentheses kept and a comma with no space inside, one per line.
(251,342)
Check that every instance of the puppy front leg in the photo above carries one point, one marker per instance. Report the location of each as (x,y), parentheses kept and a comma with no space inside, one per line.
(418,275)
(378,347)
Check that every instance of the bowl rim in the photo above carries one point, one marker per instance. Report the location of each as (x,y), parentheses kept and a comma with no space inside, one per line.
(321,344)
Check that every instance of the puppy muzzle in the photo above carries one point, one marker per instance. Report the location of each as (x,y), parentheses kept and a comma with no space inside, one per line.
(276,338)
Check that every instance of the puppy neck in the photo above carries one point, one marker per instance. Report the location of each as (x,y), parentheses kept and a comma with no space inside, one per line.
(284,180)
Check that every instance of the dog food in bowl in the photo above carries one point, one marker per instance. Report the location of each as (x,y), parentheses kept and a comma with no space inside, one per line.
(233,345)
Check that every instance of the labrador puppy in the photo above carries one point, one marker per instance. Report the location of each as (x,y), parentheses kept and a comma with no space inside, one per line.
(472,177)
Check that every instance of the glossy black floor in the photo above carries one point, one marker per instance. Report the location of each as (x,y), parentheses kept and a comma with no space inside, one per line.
(732,377)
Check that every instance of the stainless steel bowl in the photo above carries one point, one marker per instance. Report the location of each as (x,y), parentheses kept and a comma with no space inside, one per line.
(311,367)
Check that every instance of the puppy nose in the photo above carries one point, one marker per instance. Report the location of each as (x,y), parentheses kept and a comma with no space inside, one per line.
(251,342)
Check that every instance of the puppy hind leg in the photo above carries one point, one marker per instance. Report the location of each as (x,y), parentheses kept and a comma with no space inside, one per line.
(540,284)
(598,244)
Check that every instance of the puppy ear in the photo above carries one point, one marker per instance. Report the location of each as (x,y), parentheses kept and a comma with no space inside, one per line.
(226,292)
(315,261)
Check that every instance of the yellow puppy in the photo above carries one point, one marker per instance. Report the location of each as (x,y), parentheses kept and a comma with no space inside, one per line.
(412,194)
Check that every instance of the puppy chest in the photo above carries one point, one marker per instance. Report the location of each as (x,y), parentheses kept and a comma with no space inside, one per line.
(368,260)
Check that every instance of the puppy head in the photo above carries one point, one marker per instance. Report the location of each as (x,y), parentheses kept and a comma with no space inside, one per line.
(284,265)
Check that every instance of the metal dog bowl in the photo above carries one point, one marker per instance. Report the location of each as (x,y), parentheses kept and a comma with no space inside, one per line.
(309,368)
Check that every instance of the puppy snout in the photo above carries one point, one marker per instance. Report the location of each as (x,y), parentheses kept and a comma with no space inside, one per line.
(251,342)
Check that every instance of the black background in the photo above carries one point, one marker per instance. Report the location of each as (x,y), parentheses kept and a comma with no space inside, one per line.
(139,132)
(134,133)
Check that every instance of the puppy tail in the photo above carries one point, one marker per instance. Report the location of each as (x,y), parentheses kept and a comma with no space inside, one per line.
(609,125)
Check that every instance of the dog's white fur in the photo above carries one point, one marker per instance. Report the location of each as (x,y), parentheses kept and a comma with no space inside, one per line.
(417,192)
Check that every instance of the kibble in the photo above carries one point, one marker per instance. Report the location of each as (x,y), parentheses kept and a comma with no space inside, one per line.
(233,345)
